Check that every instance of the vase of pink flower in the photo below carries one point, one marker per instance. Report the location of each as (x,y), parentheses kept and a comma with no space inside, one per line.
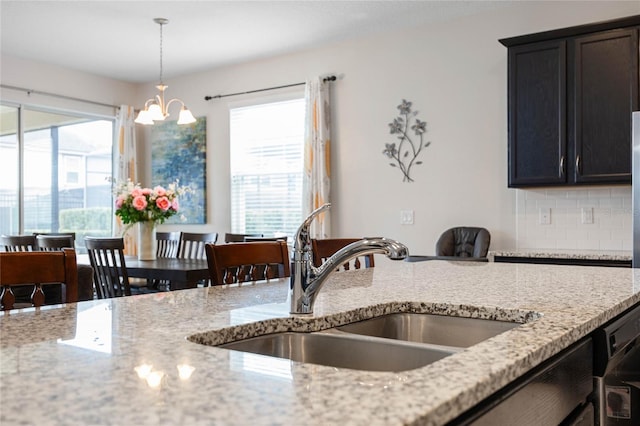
(147,207)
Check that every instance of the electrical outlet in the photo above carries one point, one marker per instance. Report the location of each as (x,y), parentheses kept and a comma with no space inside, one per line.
(406,217)
(587,215)
(545,216)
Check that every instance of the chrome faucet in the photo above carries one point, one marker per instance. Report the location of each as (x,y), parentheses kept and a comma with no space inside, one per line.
(307,280)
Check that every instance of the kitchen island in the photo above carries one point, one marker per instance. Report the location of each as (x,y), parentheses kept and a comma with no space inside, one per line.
(83,363)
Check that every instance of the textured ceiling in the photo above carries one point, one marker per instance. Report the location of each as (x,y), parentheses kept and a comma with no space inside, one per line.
(119,39)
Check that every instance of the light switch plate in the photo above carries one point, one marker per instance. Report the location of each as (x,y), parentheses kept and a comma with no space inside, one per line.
(545,216)
(406,217)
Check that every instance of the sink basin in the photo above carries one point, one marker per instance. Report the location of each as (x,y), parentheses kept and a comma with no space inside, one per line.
(426,328)
(342,351)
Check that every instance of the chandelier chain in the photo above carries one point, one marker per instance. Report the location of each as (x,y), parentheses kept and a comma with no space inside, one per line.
(161,25)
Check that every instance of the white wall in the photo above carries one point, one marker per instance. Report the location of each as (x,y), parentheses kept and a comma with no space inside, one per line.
(44,77)
(455,74)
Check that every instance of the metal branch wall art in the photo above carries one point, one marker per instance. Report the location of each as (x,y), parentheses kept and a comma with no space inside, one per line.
(406,152)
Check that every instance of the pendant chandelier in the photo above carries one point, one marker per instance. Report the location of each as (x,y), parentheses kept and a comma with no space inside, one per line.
(156,109)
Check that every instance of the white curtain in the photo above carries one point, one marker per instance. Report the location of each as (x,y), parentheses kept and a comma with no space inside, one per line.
(126,167)
(317,156)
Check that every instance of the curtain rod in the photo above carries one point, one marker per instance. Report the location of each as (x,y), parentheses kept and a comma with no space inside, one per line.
(55,95)
(208,98)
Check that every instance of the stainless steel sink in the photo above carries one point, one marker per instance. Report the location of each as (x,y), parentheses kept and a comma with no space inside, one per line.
(394,342)
(426,328)
(343,350)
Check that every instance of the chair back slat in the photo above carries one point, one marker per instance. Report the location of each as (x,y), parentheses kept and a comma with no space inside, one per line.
(109,268)
(240,262)
(325,248)
(168,244)
(192,244)
(18,242)
(37,268)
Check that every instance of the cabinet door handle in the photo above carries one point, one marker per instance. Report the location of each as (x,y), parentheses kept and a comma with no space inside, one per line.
(578,165)
(562,166)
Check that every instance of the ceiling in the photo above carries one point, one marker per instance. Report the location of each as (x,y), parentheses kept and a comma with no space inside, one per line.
(118,39)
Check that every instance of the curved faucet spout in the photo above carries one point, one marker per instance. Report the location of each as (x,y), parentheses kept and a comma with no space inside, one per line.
(302,239)
(307,280)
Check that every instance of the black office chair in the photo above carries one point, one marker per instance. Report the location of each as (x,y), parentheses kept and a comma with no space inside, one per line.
(464,241)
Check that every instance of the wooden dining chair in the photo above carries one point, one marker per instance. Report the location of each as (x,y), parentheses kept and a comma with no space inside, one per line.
(57,242)
(106,256)
(18,242)
(45,242)
(325,248)
(37,269)
(192,247)
(22,243)
(192,244)
(56,234)
(239,238)
(168,243)
(241,262)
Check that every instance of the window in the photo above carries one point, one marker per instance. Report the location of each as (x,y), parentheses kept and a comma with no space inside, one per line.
(54,173)
(71,170)
(267,143)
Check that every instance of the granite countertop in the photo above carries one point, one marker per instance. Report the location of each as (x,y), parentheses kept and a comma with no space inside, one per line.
(612,255)
(81,363)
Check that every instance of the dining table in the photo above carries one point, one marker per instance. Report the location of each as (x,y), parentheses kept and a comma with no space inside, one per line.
(182,273)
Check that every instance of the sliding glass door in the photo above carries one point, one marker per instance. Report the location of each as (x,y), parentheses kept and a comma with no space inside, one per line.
(9,166)
(55,173)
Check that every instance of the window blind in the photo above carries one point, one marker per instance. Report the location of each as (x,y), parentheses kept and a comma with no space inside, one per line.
(267,143)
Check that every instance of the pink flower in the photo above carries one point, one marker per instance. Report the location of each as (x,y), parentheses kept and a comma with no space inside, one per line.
(146,191)
(139,202)
(160,191)
(175,205)
(163,203)
(136,192)
(120,201)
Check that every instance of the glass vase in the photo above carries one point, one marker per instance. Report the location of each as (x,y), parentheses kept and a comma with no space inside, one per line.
(147,243)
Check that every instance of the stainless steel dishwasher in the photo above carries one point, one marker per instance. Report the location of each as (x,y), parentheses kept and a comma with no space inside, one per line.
(555,393)
(617,370)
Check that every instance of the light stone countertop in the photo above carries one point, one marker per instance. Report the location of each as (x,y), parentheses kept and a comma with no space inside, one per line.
(612,255)
(76,364)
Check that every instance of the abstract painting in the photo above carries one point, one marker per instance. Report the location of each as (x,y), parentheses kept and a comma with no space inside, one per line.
(179,153)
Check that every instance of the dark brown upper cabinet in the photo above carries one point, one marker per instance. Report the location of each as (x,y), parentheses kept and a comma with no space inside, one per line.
(570,97)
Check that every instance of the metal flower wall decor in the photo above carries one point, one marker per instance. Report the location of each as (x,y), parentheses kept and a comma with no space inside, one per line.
(407,150)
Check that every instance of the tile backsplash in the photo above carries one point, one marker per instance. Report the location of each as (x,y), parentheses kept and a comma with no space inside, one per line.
(568,212)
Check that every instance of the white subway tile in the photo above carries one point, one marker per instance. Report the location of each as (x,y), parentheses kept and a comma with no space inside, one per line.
(621,191)
(566,203)
(599,193)
(612,218)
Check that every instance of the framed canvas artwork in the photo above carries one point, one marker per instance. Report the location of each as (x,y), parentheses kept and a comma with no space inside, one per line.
(179,152)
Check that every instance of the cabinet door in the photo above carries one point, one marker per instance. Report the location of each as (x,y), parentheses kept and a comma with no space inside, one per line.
(606,92)
(537,113)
